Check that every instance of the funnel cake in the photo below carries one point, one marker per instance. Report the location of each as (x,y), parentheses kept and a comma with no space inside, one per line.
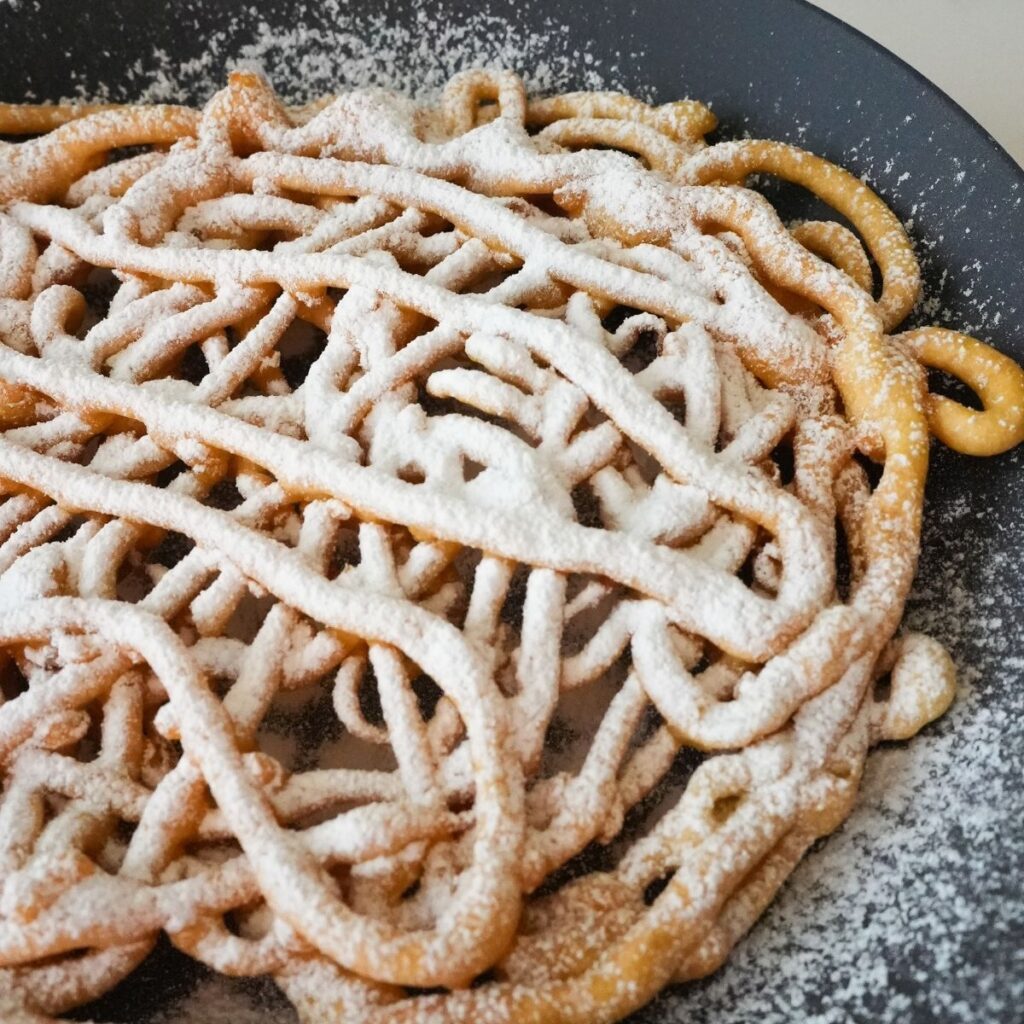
(447,553)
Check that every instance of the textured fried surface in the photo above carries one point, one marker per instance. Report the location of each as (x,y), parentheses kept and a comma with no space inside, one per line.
(439,544)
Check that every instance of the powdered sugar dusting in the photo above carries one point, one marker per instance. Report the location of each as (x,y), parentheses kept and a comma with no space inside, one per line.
(333,45)
(905,892)
(875,913)
(213,1001)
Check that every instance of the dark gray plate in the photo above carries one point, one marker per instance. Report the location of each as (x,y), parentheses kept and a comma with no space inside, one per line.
(912,912)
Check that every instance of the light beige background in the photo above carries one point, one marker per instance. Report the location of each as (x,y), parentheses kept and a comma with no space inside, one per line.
(971,49)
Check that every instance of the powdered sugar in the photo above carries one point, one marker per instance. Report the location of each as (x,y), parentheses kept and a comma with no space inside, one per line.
(906,890)
(214,1001)
(896,800)
(333,45)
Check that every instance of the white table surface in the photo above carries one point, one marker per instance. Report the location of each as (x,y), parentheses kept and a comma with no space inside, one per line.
(971,49)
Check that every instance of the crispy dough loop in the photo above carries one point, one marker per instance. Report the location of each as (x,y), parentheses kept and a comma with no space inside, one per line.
(466,93)
(36,118)
(996,379)
(683,120)
(659,152)
(880,228)
(837,244)
(78,146)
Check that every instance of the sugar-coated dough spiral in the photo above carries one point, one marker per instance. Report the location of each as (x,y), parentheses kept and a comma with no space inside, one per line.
(399,501)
